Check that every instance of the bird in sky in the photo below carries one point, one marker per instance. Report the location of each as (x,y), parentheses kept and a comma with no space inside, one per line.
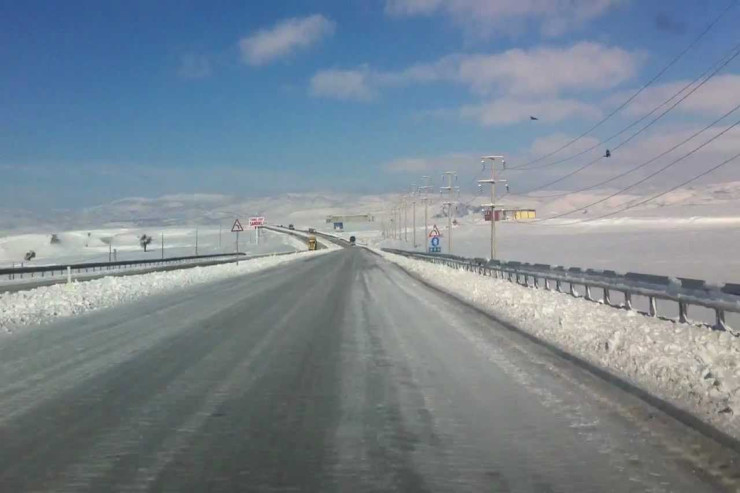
(608,153)
(533,117)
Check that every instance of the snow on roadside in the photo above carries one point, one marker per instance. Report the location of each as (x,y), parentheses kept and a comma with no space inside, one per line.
(63,300)
(693,367)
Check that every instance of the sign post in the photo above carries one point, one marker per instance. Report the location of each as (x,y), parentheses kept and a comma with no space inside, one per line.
(256,223)
(237,228)
(434,236)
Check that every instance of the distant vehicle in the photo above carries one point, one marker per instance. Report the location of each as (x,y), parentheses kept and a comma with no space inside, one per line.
(352,240)
(312,244)
(290,226)
(311,230)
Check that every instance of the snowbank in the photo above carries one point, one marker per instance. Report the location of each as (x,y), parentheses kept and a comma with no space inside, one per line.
(692,367)
(63,300)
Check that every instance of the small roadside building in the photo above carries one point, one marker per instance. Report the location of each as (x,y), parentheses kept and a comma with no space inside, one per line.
(511,214)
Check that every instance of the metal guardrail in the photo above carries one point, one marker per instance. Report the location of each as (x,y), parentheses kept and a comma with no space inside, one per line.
(683,291)
(334,239)
(18,272)
(295,233)
(303,234)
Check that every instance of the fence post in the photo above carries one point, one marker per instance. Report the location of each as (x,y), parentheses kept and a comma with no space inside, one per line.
(587,294)
(720,325)
(683,312)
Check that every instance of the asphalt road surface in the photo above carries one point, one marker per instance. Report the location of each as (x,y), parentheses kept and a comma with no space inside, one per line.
(334,373)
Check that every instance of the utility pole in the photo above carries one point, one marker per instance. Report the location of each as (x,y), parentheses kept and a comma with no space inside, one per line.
(110,250)
(425,188)
(449,175)
(405,204)
(162,234)
(196,241)
(413,211)
(492,181)
(237,248)
(219,237)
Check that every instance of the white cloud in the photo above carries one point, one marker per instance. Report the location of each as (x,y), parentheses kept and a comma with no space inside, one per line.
(508,111)
(452,161)
(284,38)
(194,66)
(646,147)
(482,17)
(542,70)
(348,85)
(549,143)
(548,70)
(716,97)
(408,165)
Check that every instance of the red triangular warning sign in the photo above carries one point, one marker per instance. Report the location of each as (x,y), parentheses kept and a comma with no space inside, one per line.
(237,227)
(434,232)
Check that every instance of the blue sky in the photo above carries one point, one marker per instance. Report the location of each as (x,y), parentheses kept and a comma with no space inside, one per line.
(102,100)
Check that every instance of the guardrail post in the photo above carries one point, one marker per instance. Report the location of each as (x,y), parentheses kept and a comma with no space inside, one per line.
(587,294)
(69,274)
(547,284)
(652,308)
(720,325)
(573,291)
(558,286)
(683,312)
(536,283)
(607,297)
(628,300)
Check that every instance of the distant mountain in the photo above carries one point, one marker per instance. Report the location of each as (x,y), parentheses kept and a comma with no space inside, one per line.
(312,208)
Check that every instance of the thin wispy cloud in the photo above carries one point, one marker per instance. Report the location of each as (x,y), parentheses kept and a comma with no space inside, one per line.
(195,66)
(714,98)
(508,111)
(415,165)
(487,17)
(284,39)
(513,84)
(347,85)
(541,70)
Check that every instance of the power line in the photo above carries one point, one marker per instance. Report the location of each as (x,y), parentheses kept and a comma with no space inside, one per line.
(643,180)
(646,163)
(632,206)
(720,63)
(639,91)
(645,127)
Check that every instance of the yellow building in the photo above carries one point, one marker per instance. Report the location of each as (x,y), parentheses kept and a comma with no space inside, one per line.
(523,214)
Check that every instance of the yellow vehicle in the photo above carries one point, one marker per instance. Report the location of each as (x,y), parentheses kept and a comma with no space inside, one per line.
(312,245)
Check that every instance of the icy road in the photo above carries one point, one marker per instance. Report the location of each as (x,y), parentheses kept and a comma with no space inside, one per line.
(333,373)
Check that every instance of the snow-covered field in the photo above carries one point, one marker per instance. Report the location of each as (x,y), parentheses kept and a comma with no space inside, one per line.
(690,366)
(63,300)
(690,232)
(703,249)
(93,245)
